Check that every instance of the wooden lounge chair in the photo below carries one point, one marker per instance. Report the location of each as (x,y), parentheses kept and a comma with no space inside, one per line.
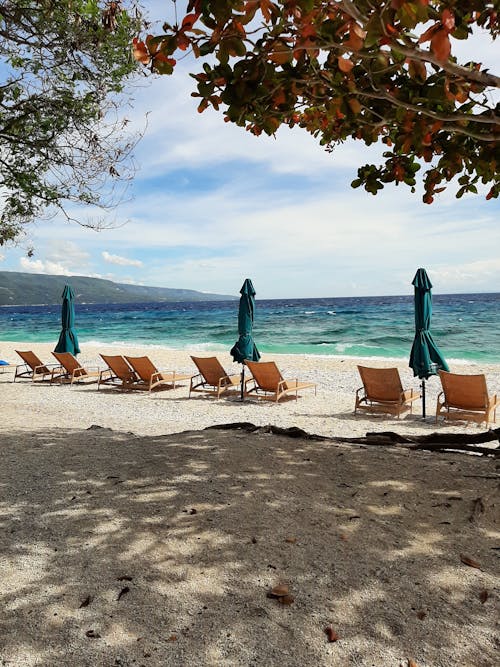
(382,391)
(212,378)
(33,368)
(268,383)
(70,370)
(466,398)
(151,377)
(119,374)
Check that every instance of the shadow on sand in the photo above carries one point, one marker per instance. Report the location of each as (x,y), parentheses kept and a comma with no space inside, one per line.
(125,550)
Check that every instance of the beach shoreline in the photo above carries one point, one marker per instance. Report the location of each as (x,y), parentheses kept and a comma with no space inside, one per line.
(329,413)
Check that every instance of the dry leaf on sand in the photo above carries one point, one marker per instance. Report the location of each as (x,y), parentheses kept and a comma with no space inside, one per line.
(331,634)
(467,560)
(280,590)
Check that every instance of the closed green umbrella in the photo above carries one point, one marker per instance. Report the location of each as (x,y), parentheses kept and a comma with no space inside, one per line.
(245,348)
(425,356)
(68,340)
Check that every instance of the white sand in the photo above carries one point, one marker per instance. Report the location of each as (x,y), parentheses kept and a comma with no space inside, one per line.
(329,413)
(155,543)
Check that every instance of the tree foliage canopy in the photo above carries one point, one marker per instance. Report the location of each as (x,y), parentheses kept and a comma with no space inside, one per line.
(351,68)
(63,64)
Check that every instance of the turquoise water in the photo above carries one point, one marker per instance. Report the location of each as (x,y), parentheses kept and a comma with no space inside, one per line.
(465,326)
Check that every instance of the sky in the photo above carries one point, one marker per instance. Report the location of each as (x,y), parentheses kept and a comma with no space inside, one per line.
(211,205)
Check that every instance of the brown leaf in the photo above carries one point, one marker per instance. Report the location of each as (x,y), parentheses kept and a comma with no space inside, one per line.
(441,46)
(421,614)
(354,105)
(172,638)
(331,634)
(470,561)
(355,41)
(280,590)
(291,540)
(282,54)
(140,51)
(412,663)
(483,596)
(345,65)
(448,20)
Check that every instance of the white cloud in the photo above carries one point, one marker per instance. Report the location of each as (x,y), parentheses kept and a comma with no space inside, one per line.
(120,261)
(61,257)
(481,274)
(40,266)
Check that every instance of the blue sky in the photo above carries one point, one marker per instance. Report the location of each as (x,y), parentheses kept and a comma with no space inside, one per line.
(212,205)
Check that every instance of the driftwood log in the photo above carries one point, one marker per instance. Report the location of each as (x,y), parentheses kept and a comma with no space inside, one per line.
(464,442)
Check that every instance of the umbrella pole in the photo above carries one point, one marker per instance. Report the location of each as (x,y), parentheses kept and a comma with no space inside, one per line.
(242,380)
(423,398)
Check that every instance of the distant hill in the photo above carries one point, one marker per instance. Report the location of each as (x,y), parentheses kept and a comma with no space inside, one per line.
(31,289)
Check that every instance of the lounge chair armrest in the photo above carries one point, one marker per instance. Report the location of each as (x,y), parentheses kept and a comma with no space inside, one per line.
(411,395)
(78,372)
(229,380)
(49,366)
(493,400)
(358,390)
(88,370)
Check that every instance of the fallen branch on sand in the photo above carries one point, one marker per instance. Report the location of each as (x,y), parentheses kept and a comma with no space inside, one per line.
(464,442)
(292,432)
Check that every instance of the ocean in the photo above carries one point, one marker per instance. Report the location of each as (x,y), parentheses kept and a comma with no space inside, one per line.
(466,327)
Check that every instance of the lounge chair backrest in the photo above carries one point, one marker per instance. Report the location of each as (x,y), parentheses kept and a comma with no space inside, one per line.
(265,373)
(30,359)
(143,366)
(211,369)
(118,365)
(381,384)
(67,360)
(466,392)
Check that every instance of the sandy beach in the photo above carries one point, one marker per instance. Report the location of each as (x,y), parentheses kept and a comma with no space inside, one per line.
(132,536)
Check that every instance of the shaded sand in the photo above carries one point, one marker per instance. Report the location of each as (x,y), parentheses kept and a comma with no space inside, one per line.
(144,545)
